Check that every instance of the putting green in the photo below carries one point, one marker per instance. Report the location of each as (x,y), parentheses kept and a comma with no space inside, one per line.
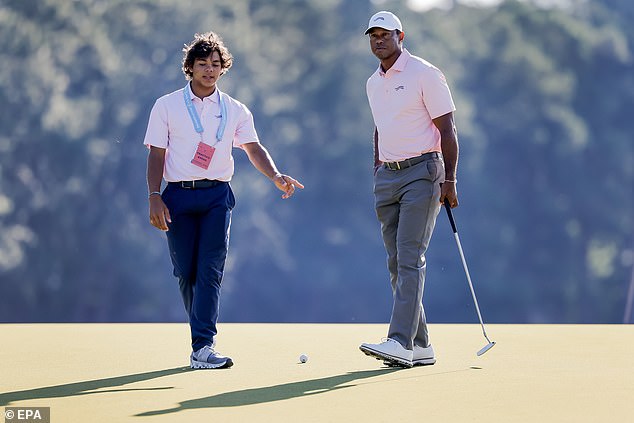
(138,373)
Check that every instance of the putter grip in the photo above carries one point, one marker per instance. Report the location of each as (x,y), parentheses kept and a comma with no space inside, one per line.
(450,216)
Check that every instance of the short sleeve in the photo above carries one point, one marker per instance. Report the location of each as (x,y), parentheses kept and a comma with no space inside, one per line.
(157,133)
(245,129)
(436,93)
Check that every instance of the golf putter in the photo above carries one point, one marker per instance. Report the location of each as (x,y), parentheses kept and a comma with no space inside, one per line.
(490,345)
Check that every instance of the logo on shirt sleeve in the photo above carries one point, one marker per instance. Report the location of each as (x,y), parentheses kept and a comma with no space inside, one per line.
(400,87)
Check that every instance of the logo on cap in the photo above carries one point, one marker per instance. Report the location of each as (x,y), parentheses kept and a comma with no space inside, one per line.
(380,18)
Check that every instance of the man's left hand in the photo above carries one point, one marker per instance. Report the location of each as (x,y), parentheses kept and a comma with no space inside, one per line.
(448,191)
(286,184)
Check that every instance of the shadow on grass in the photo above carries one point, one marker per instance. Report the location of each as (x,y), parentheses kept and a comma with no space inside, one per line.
(228,399)
(272,393)
(88,387)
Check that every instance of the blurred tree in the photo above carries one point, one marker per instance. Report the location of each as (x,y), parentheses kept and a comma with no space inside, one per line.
(543,97)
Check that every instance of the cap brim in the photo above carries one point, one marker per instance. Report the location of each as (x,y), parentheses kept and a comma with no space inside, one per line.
(376,26)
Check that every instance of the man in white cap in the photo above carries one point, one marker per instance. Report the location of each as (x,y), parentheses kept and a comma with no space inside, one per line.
(415,162)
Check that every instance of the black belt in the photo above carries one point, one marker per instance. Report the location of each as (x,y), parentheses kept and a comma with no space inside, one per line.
(201,183)
(413,161)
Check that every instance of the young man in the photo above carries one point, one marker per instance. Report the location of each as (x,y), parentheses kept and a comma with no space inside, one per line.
(415,160)
(190,134)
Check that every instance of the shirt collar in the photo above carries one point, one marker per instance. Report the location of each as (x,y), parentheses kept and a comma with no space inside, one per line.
(214,97)
(400,63)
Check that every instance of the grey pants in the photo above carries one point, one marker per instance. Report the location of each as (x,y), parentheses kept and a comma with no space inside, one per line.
(407,203)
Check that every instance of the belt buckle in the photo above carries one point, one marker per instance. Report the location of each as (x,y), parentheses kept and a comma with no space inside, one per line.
(398,166)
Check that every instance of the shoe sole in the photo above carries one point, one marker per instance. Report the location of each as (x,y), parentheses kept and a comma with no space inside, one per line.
(424,362)
(202,365)
(396,361)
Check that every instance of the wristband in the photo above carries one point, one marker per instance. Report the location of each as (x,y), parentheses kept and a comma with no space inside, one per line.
(153,193)
(451,181)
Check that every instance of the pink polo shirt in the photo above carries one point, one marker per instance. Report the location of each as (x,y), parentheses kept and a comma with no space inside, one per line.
(171,127)
(404,100)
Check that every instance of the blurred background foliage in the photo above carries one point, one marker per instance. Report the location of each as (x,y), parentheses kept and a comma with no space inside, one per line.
(545,99)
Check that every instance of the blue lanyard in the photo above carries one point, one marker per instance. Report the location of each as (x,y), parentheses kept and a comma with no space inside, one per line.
(193,114)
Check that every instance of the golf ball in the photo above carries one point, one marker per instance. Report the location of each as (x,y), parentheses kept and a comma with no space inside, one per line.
(303,358)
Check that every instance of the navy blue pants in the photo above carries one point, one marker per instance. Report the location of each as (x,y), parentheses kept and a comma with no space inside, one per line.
(198,240)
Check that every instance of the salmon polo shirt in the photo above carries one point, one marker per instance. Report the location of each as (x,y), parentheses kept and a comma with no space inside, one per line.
(404,100)
(171,127)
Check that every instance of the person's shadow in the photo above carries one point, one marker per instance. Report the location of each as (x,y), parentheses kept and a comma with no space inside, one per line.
(228,399)
(272,393)
(88,387)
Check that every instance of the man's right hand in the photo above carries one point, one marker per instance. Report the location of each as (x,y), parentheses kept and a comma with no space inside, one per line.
(159,213)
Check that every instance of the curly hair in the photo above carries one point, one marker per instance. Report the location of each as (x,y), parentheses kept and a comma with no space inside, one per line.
(201,47)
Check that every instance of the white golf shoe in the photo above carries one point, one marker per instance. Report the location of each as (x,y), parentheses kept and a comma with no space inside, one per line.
(423,356)
(420,357)
(389,350)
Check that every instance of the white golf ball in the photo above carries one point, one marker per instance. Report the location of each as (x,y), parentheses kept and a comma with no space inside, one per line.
(303,358)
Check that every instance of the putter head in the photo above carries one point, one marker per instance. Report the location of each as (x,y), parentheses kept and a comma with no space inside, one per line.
(486,348)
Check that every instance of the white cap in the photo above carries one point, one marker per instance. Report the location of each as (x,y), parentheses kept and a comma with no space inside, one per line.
(385,20)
